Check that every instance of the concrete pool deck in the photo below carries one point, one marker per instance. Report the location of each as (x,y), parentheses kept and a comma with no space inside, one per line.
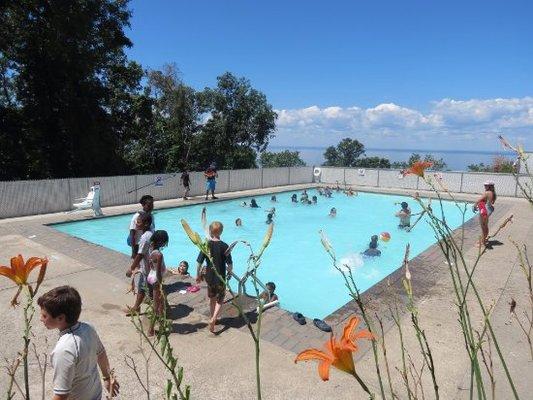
(222,367)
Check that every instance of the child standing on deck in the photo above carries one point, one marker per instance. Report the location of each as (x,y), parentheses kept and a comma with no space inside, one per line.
(140,265)
(155,277)
(216,286)
(78,350)
(147,203)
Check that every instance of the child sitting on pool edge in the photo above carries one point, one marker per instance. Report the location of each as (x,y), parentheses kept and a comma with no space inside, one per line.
(182,270)
(268,297)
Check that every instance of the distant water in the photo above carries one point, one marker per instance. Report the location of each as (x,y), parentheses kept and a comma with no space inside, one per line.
(457,160)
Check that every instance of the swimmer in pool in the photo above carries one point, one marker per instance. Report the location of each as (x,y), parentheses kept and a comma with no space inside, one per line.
(238,222)
(273,199)
(269,218)
(405,216)
(314,200)
(294,198)
(332,212)
(372,250)
(253,204)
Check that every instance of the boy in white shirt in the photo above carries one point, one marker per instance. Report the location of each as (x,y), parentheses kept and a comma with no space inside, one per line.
(147,203)
(78,350)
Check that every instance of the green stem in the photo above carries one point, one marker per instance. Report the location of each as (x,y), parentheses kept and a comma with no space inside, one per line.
(356,296)
(363,385)
(29,311)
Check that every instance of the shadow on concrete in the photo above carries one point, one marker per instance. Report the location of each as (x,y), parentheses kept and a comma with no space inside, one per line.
(185,329)
(176,286)
(491,243)
(177,311)
(236,322)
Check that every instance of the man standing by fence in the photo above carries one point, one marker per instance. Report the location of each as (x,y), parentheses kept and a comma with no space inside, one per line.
(211,181)
(186,182)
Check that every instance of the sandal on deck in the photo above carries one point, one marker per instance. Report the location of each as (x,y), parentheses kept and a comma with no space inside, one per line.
(298,317)
(321,325)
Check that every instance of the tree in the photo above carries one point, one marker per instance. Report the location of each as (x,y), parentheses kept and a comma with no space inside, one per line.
(372,162)
(66,84)
(345,154)
(170,118)
(499,164)
(240,116)
(285,158)
(438,164)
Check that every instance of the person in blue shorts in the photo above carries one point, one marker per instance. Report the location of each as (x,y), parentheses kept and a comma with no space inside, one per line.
(211,176)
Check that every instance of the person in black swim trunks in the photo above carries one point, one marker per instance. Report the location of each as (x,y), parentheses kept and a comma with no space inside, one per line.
(216,286)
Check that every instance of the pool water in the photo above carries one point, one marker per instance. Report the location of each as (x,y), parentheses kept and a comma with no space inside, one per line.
(295,260)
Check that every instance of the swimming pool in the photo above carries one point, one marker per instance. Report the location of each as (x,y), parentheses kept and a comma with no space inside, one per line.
(295,260)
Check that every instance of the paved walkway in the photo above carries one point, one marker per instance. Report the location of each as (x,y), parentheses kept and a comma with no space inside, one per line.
(221,366)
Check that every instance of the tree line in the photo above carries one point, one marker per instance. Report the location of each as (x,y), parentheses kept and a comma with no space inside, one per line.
(73,104)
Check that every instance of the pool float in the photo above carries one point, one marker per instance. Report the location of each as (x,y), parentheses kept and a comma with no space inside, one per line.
(385,236)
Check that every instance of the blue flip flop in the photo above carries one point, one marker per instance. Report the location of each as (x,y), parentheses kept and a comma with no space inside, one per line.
(321,325)
(298,317)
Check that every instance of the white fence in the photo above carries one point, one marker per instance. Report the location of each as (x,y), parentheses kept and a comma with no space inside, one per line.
(19,198)
(459,182)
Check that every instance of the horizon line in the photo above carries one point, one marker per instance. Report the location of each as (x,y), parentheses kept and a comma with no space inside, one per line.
(398,150)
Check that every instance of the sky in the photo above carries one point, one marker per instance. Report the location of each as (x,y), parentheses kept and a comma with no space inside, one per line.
(392,74)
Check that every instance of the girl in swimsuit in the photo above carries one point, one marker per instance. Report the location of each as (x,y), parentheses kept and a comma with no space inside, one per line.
(485,205)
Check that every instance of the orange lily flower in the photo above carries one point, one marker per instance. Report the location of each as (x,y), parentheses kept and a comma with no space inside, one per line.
(418,168)
(19,272)
(337,353)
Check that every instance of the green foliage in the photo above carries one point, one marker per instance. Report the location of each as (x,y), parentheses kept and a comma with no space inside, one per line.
(438,164)
(72,104)
(499,164)
(285,158)
(345,154)
(67,78)
(240,118)
(372,162)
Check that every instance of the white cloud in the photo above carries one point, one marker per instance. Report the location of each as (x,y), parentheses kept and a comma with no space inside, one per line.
(447,121)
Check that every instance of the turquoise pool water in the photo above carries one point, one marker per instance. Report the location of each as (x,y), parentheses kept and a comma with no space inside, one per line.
(295,260)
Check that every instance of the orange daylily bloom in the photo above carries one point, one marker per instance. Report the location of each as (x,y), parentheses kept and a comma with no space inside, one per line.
(19,272)
(418,168)
(337,353)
